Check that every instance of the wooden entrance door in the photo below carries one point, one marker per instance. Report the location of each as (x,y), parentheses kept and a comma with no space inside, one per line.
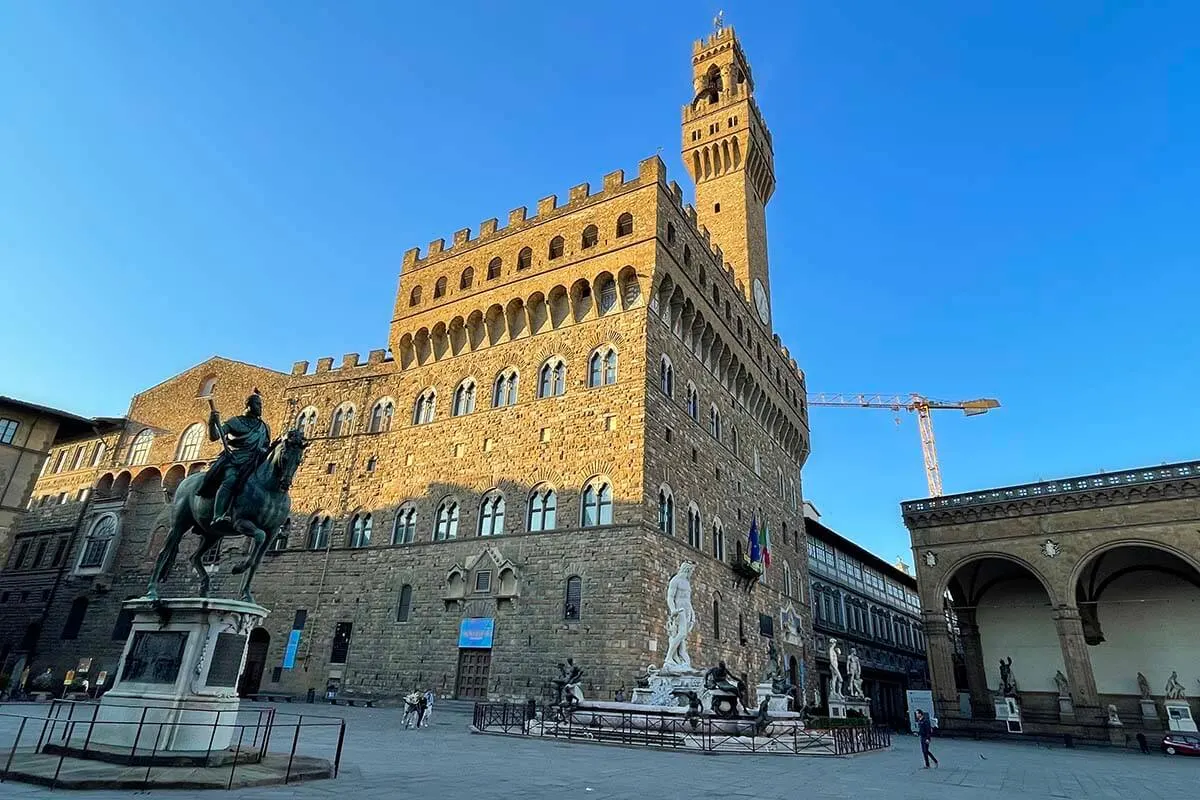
(472,680)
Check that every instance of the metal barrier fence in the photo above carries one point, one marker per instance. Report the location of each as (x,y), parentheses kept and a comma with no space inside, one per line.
(662,729)
(255,734)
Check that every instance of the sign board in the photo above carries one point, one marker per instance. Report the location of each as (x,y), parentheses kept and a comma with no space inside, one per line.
(226,663)
(289,652)
(84,665)
(476,632)
(154,657)
(919,699)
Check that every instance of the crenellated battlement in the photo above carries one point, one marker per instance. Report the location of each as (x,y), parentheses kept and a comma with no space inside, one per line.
(650,170)
(349,361)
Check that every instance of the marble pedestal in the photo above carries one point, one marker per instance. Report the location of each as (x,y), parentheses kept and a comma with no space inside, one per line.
(176,691)
(775,702)
(840,705)
(1150,719)
(1179,716)
(1066,710)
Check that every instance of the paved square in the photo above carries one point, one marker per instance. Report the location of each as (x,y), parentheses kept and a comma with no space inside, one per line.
(384,761)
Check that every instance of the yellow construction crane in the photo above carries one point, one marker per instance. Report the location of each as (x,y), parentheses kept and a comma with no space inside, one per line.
(919,404)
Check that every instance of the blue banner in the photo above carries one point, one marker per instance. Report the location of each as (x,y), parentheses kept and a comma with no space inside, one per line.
(476,632)
(289,654)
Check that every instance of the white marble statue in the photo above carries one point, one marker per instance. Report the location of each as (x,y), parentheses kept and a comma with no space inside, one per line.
(681,619)
(854,673)
(1114,719)
(1174,689)
(835,669)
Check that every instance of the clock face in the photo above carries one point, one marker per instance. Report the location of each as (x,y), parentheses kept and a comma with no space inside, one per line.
(760,302)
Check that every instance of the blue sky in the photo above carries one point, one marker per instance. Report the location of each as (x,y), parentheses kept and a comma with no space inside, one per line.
(974,199)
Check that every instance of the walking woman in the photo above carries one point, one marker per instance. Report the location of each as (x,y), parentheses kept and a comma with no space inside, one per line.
(925,731)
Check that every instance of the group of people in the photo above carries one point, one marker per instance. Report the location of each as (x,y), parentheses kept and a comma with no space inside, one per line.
(418,708)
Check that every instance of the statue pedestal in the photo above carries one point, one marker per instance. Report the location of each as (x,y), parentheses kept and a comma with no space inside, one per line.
(775,701)
(1150,719)
(1066,710)
(176,692)
(840,706)
(668,690)
(1179,716)
(1008,711)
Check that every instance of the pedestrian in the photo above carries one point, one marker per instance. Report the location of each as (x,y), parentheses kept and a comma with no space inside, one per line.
(925,731)
(422,706)
(429,698)
(1141,740)
(620,698)
(412,701)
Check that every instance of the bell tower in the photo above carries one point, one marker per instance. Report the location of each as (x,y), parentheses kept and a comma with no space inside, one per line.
(727,151)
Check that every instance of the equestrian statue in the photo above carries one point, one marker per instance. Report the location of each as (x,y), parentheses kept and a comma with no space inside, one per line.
(243,493)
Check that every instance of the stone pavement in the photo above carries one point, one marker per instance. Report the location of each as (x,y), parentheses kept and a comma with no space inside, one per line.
(384,761)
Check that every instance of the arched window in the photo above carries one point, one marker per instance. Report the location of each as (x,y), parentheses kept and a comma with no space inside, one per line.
(666,376)
(693,402)
(405,605)
(687,256)
(414,297)
(704,279)
(504,392)
(666,511)
(381,415)
(98,456)
(189,443)
(718,540)
(447,521)
(494,269)
(543,507)
(360,530)
(525,258)
(491,515)
(75,618)
(597,504)
(208,386)
(439,288)
(788,588)
(670,233)
(98,543)
(77,461)
(467,278)
(737,444)
(556,248)
(717,617)
(782,485)
(573,602)
(280,542)
(464,398)
(423,409)
(591,235)
(714,422)
(139,448)
(607,296)
(343,421)
(602,367)
(552,379)
(716,295)
(625,224)
(318,532)
(404,530)
(695,528)
(306,423)
(757,464)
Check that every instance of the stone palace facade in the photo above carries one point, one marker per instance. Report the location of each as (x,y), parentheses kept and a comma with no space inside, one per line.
(569,405)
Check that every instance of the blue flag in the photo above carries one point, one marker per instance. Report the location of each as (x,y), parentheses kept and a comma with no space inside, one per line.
(755,550)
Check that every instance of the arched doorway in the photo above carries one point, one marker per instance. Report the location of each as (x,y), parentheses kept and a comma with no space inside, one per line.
(797,687)
(1140,609)
(999,609)
(256,662)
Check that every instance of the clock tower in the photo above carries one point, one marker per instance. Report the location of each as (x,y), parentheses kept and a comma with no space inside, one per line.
(727,151)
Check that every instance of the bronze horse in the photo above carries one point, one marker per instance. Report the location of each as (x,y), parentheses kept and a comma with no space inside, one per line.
(259,511)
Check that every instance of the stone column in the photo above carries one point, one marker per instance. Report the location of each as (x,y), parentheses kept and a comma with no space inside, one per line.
(940,651)
(968,632)
(1079,666)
